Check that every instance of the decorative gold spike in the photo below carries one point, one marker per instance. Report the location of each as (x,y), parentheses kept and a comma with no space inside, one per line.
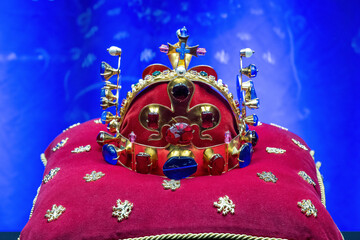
(106,103)
(253,104)
(109,71)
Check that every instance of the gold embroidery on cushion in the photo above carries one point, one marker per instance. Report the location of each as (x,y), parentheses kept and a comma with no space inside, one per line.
(51,174)
(43,159)
(275,150)
(308,208)
(122,210)
(171,184)
(321,183)
(93,176)
(74,125)
(307,178)
(275,125)
(60,144)
(54,213)
(267,177)
(225,205)
(81,149)
(299,144)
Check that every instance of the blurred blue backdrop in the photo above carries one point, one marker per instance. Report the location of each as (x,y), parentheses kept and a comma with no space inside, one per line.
(308,55)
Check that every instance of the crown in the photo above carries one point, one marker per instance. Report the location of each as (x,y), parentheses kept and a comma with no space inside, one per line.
(179,122)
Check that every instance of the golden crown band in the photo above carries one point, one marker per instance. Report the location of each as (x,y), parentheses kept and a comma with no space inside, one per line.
(194,161)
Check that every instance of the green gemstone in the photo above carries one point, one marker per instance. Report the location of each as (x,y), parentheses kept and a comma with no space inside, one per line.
(204,74)
(156,73)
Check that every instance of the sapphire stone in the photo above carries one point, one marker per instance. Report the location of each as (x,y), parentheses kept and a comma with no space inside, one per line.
(179,167)
(109,153)
(246,151)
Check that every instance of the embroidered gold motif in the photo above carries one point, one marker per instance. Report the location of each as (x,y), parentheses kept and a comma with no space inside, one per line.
(60,144)
(81,149)
(54,213)
(275,150)
(93,176)
(307,207)
(171,184)
(275,125)
(225,205)
(307,178)
(267,177)
(122,210)
(259,123)
(51,174)
(299,144)
(74,125)
(98,121)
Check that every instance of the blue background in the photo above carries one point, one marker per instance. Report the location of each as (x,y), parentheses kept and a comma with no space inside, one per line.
(307,52)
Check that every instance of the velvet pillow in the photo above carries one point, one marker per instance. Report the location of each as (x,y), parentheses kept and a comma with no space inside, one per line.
(279,195)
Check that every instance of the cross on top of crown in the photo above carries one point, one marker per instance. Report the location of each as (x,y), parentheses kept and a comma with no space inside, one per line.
(180,53)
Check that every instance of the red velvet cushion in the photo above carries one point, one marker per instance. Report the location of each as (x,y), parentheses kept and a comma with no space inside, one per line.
(262,209)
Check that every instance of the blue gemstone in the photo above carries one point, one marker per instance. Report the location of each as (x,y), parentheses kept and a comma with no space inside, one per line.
(253,94)
(253,70)
(239,91)
(183,32)
(179,167)
(109,153)
(246,127)
(256,120)
(103,117)
(103,93)
(245,155)
(102,70)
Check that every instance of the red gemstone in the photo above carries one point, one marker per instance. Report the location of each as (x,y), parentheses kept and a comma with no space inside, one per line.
(143,163)
(207,119)
(216,165)
(179,133)
(153,120)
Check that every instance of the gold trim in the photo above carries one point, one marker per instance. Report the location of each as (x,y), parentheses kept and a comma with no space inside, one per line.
(190,75)
(321,183)
(179,236)
(43,159)
(34,201)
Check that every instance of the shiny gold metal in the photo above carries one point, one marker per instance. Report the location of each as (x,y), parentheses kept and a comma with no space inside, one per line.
(192,76)
(208,154)
(250,120)
(247,71)
(109,95)
(109,71)
(113,126)
(110,117)
(153,154)
(253,104)
(180,152)
(105,138)
(110,86)
(106,103)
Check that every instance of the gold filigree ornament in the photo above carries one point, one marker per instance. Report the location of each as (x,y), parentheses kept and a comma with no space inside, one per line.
(180,119)
(299,144)
(307,178)
(51,174)
(307,208)
(93,176)
(171,184)
(60,144)
(54,213)
(275,150)
(267,177)
(225,205)
(81,149)
(122,210)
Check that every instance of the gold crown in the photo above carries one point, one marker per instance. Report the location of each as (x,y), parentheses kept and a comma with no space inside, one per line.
(180,90)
